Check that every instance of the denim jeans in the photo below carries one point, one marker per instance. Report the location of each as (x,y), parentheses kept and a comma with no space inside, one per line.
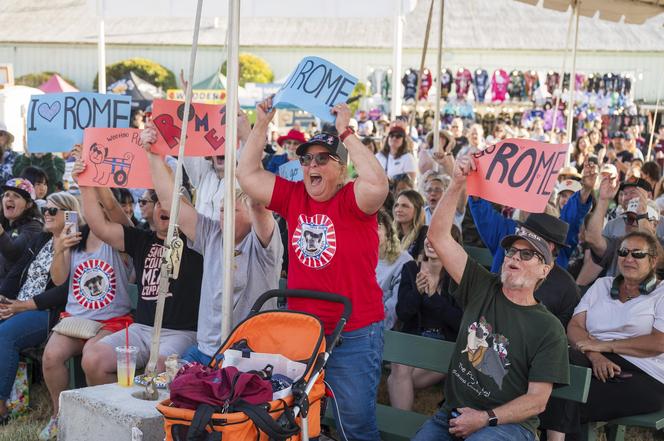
(436,428)
(353,373)
(24,330)
(193,354)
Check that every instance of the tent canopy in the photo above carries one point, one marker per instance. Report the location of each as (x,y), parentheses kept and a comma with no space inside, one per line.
(216,81)
(142,93)
(57,84)
(632,11)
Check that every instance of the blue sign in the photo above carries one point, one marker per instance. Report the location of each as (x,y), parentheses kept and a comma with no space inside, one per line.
(291,171)
(56,120)
(315,86)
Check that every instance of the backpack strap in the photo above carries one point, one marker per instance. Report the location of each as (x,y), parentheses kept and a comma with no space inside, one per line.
(202,417)
(278,431)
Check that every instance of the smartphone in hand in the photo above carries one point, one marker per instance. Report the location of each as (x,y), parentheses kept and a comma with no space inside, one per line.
(71,221)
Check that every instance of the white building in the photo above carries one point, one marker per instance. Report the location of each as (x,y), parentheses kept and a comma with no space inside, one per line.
(61,35)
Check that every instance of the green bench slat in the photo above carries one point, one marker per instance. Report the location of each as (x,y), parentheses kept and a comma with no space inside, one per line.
(579,385)
(481,255)
(414,350)
(132,290)
(398,425)
(653,420)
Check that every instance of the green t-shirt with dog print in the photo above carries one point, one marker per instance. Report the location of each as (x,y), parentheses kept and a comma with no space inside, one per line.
(501,346)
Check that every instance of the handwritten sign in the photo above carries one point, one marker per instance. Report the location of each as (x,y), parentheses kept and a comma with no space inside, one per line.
(207,96)
(315,86)
(205,132)
(114,158)
(56,120)
(292,171)
(519,173)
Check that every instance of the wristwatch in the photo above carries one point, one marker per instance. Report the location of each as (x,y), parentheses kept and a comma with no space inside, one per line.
(493,419)
(346,133)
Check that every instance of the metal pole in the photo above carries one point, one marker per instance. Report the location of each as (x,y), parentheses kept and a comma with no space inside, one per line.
(572,77)
(165,272)
(411,119)
(439,67)
(233,71)
(562,75)
(101,49)
(396,60)
(654,120)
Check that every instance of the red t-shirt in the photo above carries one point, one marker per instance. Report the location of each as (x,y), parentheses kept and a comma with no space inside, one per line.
(333,247)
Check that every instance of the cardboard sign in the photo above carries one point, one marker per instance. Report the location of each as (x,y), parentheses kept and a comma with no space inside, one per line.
(291,171)
(56,120)
(206,96)
(519,173)
(205,132)
(315,86)
(114,158)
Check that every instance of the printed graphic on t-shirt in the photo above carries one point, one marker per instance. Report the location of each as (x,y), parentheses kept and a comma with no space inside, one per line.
(93,284)
(487,351)
(314,240)
(151,270)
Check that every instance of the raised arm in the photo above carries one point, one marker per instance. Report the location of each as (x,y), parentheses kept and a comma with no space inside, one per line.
(110,232)
(253,178)
(112,207)
(371,186)
(452,254)
(607,191)
(162,178)
(262,222)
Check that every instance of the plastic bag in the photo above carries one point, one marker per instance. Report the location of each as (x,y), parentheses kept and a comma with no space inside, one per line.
(19,398)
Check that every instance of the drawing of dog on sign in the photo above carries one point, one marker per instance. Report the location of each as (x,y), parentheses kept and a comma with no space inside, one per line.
(106,167)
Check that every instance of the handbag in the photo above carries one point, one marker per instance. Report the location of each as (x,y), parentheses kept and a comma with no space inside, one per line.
(19,397)
(77,327)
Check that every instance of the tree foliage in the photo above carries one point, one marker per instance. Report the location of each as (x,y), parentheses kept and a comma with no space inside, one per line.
(37,79)
(149,70)
(253,69)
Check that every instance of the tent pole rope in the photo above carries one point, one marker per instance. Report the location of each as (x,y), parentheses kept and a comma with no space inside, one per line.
(101,48)
(166,268)
(654,120)
(439,67)
(568,40)
(572,79)
(411,119)
(230,150)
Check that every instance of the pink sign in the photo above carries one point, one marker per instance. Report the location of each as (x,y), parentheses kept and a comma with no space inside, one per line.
(519,173)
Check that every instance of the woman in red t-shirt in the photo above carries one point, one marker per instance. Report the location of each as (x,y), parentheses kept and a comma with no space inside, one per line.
(333,237)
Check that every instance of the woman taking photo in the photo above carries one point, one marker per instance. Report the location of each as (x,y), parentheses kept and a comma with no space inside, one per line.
(33,303)
(617,330)
(409,222)
(20,221)
(341,217)
(396,157)
(425,308)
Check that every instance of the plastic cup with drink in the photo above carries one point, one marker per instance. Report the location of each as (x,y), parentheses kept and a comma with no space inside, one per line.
(126,364)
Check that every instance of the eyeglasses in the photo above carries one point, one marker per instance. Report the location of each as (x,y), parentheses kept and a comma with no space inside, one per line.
(52,211)
(637,254)
(524,254)
(433,190)
(143,202)
(396,135)
(321,158)
(290,142)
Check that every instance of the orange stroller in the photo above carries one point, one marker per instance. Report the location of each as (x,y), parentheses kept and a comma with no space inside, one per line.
(295,335)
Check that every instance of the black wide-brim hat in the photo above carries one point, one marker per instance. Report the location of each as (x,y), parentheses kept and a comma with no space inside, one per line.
(549,227)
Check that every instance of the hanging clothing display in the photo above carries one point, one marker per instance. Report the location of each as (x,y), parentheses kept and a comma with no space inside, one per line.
(386,85)
(517,86)
(480,84)
(425,84)
(445,83)
(499,81)
(463,81)
(552,79)
(532,83)
(409,81)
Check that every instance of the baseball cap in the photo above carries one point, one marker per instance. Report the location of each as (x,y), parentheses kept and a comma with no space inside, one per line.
(568,185)
(609,169)
(21,186)
(327,140)
(538,242)
(636,182)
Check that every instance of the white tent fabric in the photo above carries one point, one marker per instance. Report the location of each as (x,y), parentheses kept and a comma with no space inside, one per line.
(631,11)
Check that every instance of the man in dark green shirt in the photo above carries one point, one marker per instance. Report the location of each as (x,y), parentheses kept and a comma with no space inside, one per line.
(511,349)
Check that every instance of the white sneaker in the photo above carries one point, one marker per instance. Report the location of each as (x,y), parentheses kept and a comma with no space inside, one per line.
(49,432)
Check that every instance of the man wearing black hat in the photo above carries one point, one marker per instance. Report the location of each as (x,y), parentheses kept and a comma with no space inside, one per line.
(511,349)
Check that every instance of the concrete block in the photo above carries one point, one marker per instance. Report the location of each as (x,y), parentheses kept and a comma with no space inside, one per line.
(109,412)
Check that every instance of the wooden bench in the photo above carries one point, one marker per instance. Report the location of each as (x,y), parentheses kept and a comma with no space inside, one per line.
(481,255)
(435,355)
(615,429)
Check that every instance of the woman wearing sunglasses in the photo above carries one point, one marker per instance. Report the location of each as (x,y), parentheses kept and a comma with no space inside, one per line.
(31,302)
(396,155)
(618,330)
(333,237)
(20,221)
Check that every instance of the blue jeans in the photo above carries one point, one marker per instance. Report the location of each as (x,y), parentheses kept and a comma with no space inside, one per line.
(193,354)
(24,330)
(353,373)
(436,428)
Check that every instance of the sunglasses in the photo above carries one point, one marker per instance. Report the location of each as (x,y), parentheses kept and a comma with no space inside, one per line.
(637,254)
(143,202)
(524,254)
(321,158)
(396,135)
(52,211)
